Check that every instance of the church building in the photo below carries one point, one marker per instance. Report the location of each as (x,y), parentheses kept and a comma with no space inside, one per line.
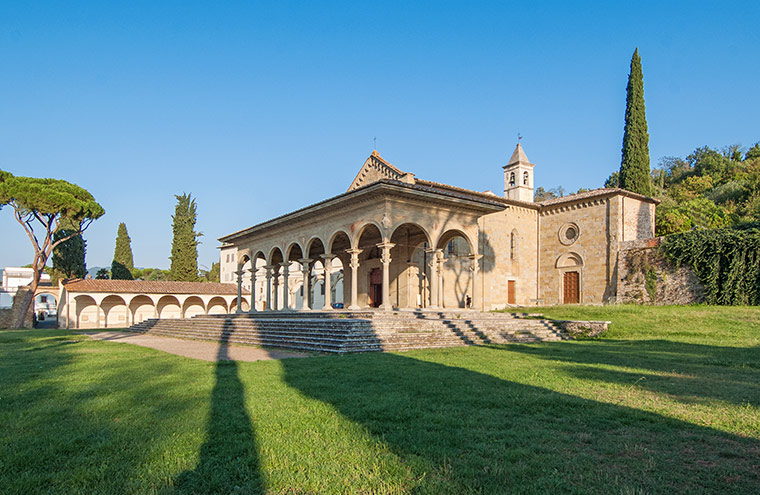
(393,241)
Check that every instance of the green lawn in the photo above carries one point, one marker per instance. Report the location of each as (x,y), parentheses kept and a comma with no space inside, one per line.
(667,402)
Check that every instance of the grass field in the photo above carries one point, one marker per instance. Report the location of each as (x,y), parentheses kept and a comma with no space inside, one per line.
(667,402)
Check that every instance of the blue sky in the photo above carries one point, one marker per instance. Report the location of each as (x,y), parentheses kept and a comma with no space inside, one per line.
(258,109)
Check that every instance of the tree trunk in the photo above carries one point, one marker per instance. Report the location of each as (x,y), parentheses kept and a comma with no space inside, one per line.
(27,299)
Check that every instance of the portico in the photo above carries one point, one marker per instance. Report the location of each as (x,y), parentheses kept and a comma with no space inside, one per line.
(389,228)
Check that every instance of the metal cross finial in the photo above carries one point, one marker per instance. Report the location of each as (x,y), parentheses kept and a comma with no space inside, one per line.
(519,137)
(374,143)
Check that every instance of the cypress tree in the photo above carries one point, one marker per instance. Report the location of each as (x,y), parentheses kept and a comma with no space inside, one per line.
(69,256)
(634,167)
(184,258)
(123,264)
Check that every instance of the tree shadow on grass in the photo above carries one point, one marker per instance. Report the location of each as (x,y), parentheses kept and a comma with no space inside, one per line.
(69,422)
(689,372)
(465,431)
(229,457)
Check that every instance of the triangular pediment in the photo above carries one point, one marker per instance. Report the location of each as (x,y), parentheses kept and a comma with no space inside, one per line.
(375,168)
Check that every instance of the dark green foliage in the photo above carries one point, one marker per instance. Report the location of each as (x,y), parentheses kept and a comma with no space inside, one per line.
(103,274)
(51,204)
(753,152)
(184,258)
(727,262)
(709,189)
(634,168)
(69,256)
(613,181)
(123,264)
(212,274)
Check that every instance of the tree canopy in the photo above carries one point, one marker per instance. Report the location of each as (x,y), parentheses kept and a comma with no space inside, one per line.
(122,265)
(634,166)
(46,205)
(184,257)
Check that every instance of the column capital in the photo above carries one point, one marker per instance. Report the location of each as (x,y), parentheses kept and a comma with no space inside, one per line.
(354,251)
(328,256)
(305,261)
(240,272)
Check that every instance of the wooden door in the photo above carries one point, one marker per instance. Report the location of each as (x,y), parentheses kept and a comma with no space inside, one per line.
(511,298)
(571,288)
(375,288)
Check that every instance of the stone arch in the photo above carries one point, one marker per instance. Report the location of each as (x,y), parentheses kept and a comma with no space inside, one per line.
(169,307)
(315,247)
(44,308)
(294,251)
(413,225)
(450,234)
(569,260)
(339,242)
(455,282)
(243,305)
(365,227)
(409,275)
(570,270)
(141,308)
(115,311)
(193,306)
(275,256)
(217,306)
(87,312)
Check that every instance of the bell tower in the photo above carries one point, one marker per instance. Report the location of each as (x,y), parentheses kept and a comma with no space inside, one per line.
(518,177)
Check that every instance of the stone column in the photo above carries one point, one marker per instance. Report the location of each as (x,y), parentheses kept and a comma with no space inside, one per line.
(441,262)
(354,278)
(474,269)
(239,274)
(268,276)
(276,289)
(327,262)
(253,287)
(285,291)
(433,264)
(306,270)
(386,261)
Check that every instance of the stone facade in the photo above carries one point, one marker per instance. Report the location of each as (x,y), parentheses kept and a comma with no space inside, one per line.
(400,242)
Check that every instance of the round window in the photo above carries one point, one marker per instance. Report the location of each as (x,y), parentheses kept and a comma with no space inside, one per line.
(569,233)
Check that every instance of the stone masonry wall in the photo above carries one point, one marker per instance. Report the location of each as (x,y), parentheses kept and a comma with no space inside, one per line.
(646,277)
(8,315)
(501,263)
(590,221)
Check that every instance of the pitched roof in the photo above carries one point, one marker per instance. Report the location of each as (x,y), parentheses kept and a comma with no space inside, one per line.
(596,193)
(518,157)
(375,168)
(148,287)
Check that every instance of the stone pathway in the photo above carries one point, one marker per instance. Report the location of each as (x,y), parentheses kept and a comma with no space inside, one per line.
(207,351)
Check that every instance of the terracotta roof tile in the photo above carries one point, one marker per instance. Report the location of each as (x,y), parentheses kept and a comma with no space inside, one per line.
(147,287)
(594,193)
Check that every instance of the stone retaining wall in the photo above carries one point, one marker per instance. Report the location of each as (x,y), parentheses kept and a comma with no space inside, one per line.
(8,315)
(645,276)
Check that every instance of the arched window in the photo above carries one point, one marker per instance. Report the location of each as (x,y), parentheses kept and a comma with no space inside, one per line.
(525,178)
(511,178)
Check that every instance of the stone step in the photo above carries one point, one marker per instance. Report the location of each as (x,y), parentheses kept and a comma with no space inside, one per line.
(362,331)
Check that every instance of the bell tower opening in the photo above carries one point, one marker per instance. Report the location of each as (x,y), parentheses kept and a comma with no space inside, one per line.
(518,177)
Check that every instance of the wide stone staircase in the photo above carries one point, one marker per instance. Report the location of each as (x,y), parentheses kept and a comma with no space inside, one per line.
(359,331)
